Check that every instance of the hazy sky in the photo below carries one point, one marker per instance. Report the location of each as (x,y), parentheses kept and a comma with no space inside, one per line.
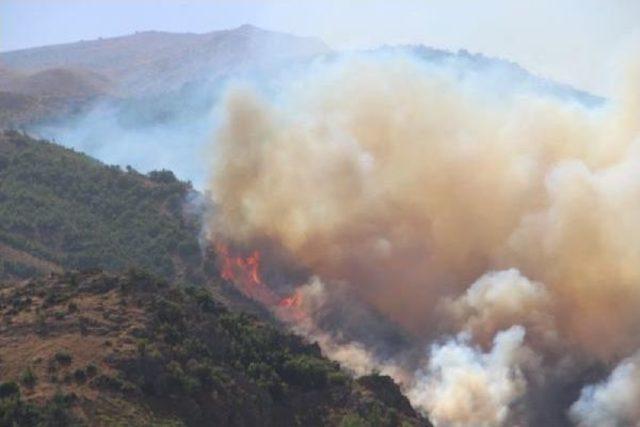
(568,40)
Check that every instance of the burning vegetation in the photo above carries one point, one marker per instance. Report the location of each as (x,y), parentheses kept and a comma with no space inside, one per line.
(244,273)
(498,233)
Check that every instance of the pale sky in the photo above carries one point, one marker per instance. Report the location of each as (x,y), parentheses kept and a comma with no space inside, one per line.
(570,41)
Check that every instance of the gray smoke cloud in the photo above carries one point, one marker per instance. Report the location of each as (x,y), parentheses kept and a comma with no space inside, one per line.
(499,230)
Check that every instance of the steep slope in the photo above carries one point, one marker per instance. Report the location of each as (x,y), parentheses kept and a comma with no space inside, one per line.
(70,211)
(100,349)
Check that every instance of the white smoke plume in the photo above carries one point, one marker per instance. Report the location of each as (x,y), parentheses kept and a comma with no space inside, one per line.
(614,402)
(464,387)
(500,299)
(449,209)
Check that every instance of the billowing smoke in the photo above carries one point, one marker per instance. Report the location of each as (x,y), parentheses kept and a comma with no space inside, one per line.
(464,387)
(615,402)
(499,230)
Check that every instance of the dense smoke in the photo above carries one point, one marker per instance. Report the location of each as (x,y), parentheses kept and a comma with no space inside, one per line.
(615,402)
(500,231)
(463,386)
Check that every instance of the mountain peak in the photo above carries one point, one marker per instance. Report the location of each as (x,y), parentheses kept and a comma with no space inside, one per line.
(247,28)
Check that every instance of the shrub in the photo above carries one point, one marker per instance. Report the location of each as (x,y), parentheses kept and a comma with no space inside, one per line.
(72,307)
(55,412)
(63,357)
(338,378)
(92,370)
(305,371)
(107,382)
(14,412)
(41,322)
(28,378)
(162,176)
(352,420)
(9,389)
(80,375)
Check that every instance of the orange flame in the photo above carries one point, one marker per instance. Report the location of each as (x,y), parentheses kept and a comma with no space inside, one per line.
(244,273)
(290,308)
(292,301)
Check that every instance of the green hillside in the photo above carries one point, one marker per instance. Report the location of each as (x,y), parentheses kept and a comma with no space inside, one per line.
(124,321)
(62,209)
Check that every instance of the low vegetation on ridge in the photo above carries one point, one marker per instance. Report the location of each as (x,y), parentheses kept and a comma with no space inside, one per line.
(63,210)
(96,348)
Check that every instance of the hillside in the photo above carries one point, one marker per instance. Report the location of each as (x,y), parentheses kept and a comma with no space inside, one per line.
(100,349)
(496,74)
(61,209)
(51,94)
(152,62)
(54,83)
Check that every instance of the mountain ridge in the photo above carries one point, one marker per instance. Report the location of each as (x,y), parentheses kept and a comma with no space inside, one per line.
(130,59)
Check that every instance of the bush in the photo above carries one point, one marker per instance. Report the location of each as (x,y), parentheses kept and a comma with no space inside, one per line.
(72,307)
(305,371)
(14,412)
(55,412)
(9,389)
(338,378)
(28,378)
(80,375)
(107,382)
(353,420)
(162,176)
(92,370)
(63,357)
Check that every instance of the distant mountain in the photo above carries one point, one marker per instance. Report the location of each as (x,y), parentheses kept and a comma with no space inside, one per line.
(48,94)
(153,62)
(495,73)
(57,82)
(146,71)
(151,70)
(148,99)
